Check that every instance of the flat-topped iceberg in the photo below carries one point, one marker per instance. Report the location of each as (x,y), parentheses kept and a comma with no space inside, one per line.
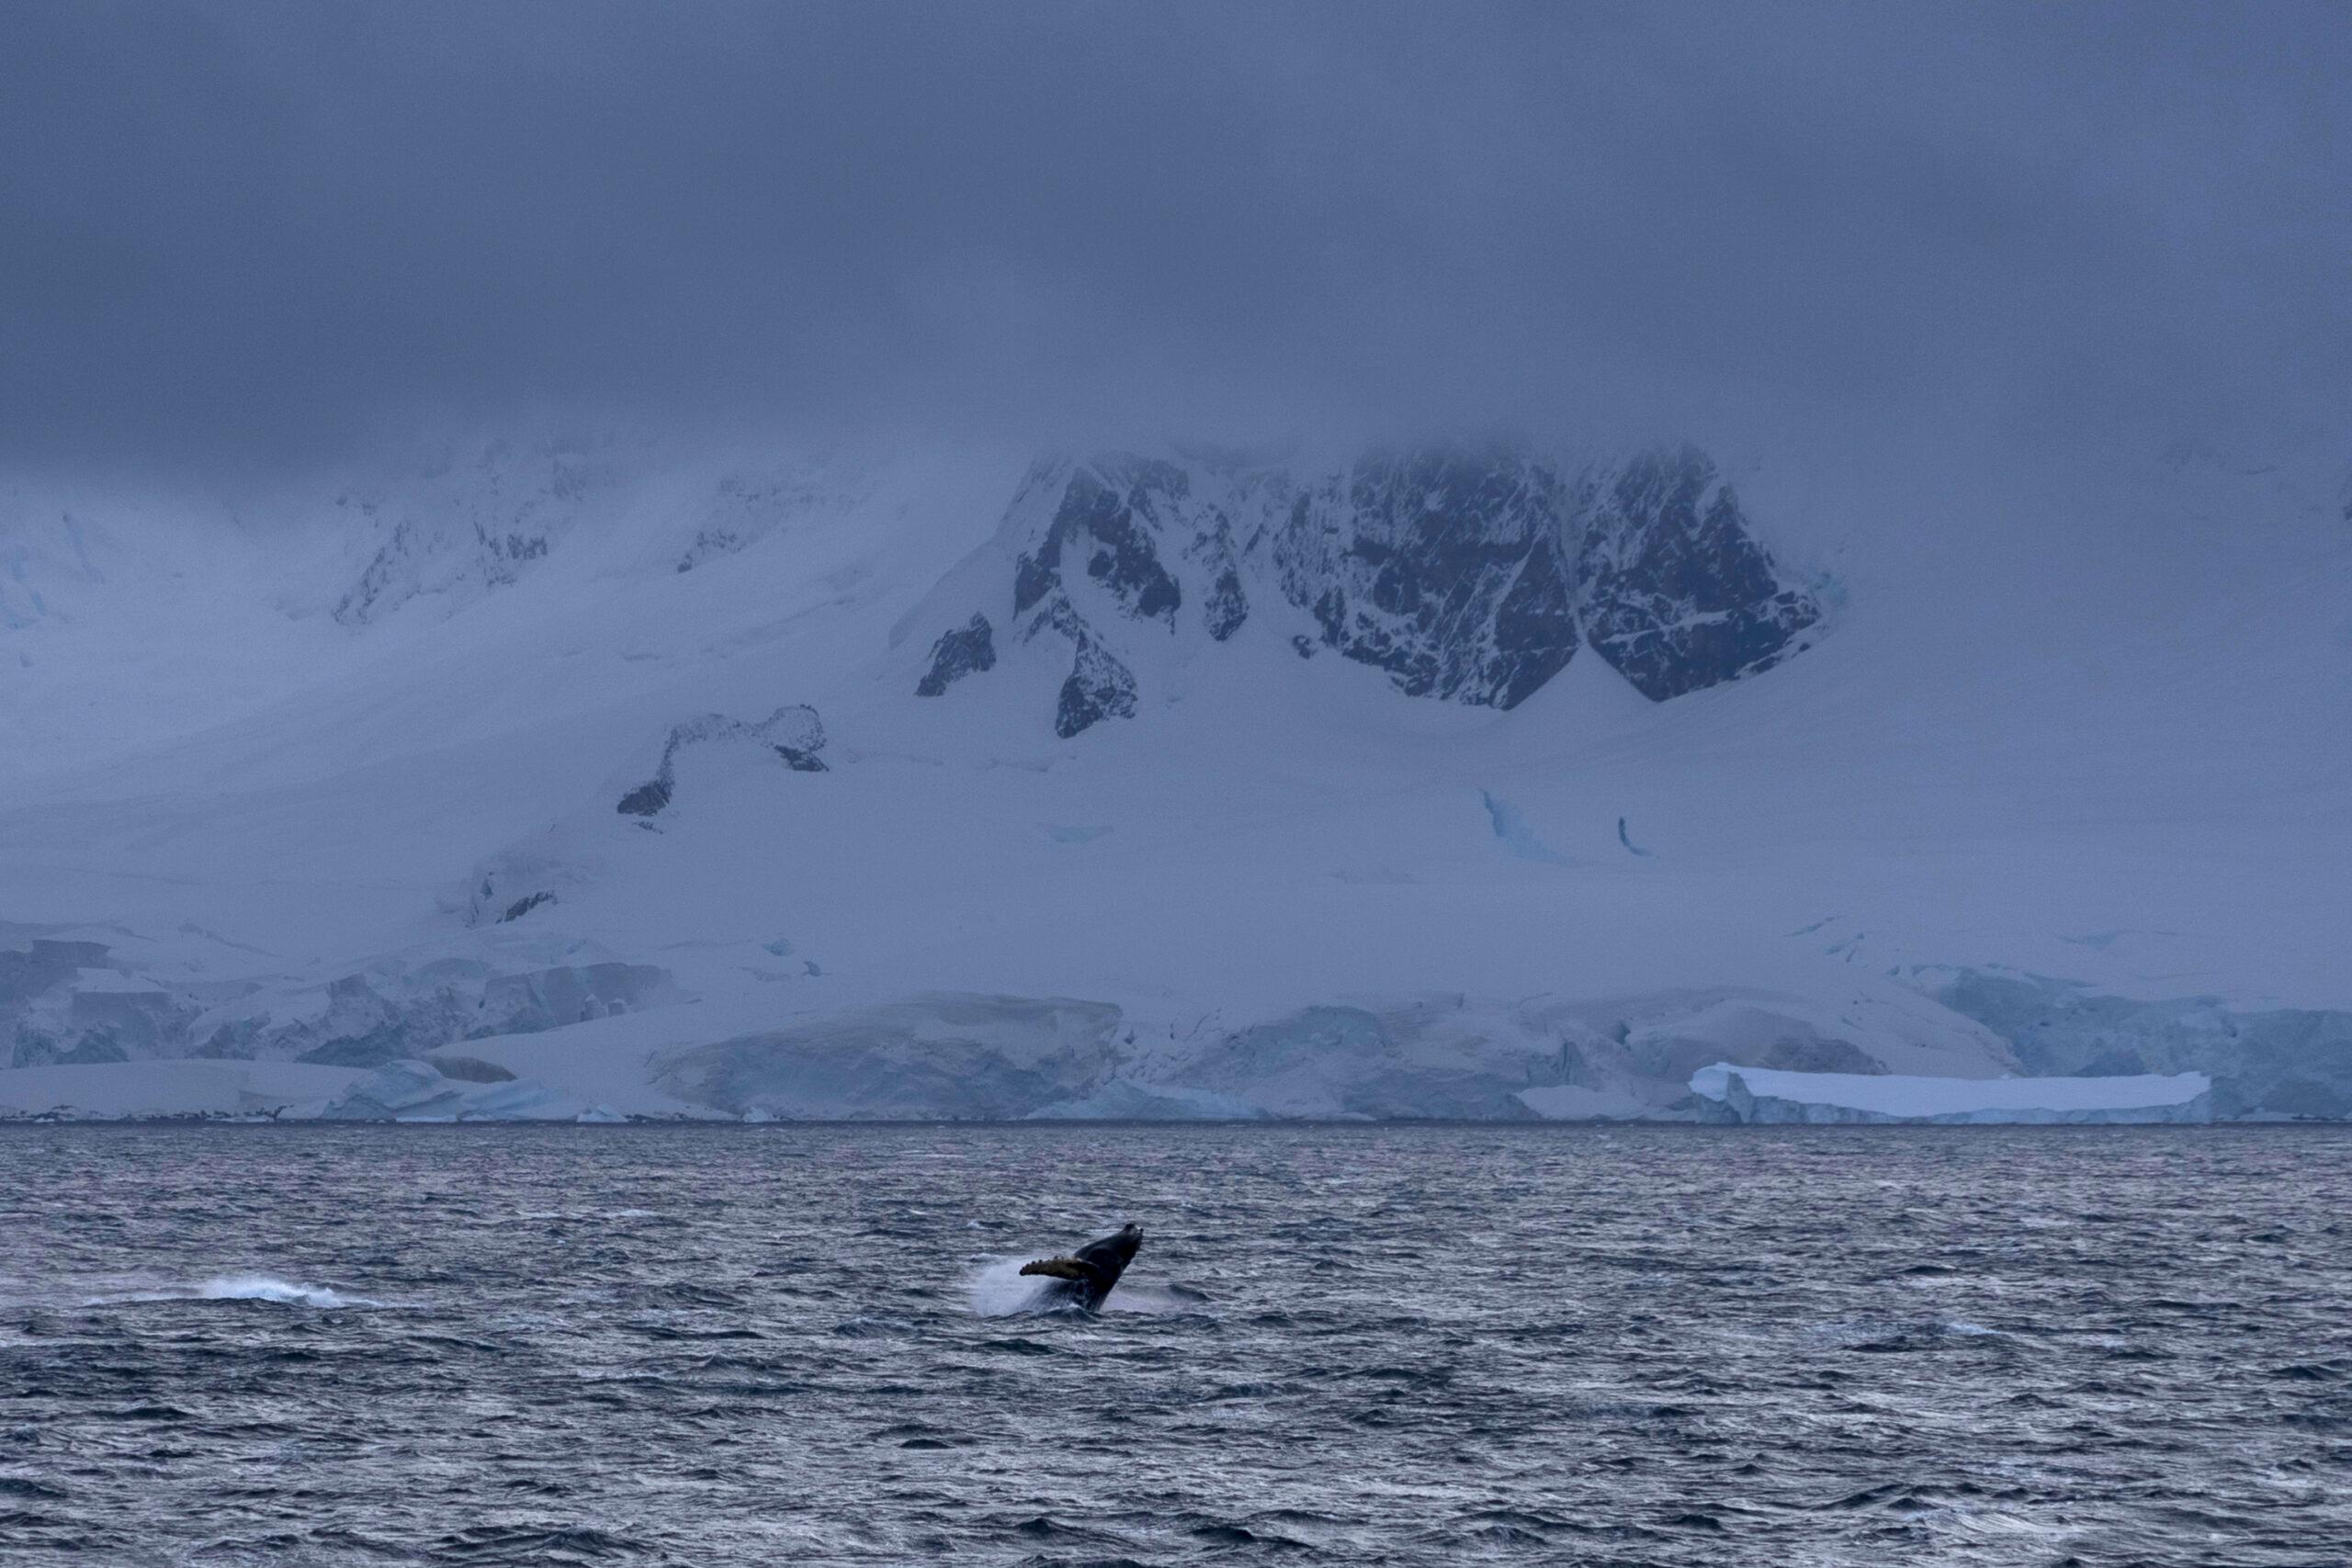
(1766,1094)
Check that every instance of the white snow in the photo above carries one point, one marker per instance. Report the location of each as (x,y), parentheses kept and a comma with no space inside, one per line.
(2090,730)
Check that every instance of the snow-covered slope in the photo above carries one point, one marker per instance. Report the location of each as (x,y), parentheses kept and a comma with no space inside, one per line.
(593,778)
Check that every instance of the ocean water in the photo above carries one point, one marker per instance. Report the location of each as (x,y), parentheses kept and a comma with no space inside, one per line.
(1345,1345)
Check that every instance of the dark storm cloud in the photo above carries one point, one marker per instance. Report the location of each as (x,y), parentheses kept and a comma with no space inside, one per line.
(252,230)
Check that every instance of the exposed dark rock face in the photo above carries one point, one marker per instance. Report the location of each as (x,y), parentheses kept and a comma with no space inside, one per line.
(795,733)
(1136,522)
(1470,573)
(1216,556)
(1109,509)
(1441,568)
(522,907)
(1674,591)
(1226,606)
(966,650)
(1098,686)
(646,799)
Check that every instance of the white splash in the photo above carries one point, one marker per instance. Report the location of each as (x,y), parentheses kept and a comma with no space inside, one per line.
(241,1288)
(263,1288)
(998,1288)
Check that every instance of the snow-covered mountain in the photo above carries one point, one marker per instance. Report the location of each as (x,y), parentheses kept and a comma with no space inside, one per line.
(1472,574)
(561,778)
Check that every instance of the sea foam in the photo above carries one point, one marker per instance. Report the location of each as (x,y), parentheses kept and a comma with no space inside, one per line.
(241,1288)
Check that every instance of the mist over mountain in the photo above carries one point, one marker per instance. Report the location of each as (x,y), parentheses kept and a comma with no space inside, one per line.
(1124,560)
(1478,778)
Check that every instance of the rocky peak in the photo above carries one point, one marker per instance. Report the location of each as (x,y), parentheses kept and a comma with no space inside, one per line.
(1103,551)
(1441,567)
(966,650)
(1672,588)
(1463,572)
(1113,513)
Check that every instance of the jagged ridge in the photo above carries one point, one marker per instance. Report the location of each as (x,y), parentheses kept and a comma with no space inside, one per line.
(1470,573)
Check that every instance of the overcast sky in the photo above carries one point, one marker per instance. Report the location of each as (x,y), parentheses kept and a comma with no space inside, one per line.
(265,234)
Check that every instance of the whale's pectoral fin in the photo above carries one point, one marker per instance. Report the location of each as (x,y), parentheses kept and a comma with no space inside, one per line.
(1059,1267)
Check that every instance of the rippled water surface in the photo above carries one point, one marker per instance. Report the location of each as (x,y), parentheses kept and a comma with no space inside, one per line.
(283,1345)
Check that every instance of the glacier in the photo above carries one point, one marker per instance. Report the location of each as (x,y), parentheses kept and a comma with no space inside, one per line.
(580,779)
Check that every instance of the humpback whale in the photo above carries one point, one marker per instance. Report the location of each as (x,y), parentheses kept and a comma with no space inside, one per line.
(1086,1276)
